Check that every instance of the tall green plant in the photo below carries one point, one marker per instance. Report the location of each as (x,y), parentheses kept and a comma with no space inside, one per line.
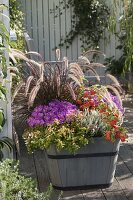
(125,35)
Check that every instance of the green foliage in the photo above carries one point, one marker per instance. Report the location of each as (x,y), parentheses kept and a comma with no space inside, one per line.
(3,33)
(125,36)
(16,23)
(3,91)
(68,136)
(14,186)
(2,119)
(89,20)
(94,123)
(115,66)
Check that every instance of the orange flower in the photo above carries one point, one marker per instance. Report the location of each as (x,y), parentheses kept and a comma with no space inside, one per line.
(116,127)
(79,102)
(86,105)
(85,94)
(116,115)
(106,113)
(113,123)
(92,92)
(92,103)
(82,107)
(102,110)
(123,138)
(118,134)
(108,135)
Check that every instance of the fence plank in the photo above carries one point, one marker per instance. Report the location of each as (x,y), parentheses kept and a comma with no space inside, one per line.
(34,24)
(40,28)
(68,28)
(57,25)
(51,30)
(28,17)
(63,31)
(46,30)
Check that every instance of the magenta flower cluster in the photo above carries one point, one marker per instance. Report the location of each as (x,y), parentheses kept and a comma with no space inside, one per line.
(44,115)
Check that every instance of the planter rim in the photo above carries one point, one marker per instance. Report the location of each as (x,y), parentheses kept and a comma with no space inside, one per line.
(97,141)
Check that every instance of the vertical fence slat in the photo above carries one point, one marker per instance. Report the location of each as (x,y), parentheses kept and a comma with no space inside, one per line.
(43,42)
(63,32)
(46,29)
(75,42)
(40,28)
(34,23)
(28,17)
(52,30)
(68,28)
(57,26)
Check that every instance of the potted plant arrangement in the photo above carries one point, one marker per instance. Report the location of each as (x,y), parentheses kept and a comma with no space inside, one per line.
(79,126)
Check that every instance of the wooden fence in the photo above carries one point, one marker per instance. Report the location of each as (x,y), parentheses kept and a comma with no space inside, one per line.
(48,30)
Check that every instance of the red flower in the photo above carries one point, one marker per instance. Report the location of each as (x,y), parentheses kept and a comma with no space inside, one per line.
(102,110)
(82,108)
(87,105)
(85,94)
(116,115)
(92,92)
(92,103)
(108,135)
(116,127)
(106,113)
(79,102)
(123,138)
(118,134)
(113,123)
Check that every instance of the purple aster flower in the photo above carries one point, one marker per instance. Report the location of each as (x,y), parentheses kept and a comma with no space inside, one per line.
(48,114)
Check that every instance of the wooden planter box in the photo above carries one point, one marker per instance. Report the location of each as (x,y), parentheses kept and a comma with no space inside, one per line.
(93,166)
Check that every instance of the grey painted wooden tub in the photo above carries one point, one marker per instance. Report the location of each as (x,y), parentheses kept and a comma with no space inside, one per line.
(93,166)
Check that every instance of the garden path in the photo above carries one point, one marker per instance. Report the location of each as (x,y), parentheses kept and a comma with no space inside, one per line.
(122,187)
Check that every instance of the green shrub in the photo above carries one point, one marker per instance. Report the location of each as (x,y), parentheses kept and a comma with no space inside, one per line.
(14,186)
